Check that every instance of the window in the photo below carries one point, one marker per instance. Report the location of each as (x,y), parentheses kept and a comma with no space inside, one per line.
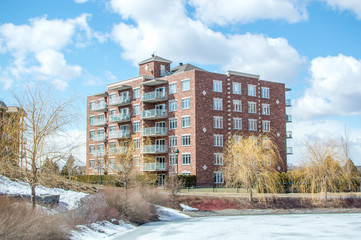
(237,138)
(218,122)
(218,177)
(186,121)
(267,160)
(252,107)
(91,134)
(112,98)
(172,141)
(91,105)
(251,90)
(218,140)
(186,173)
(186,159)
(112,112)
(112,145)
(100,148)
(237,123)
(172,88)
(136,109)
(91,120)
(172,123)
(101,118)
(173,159)
(237,105)
(236,88)
(186,140)
(186,85)
(265,109)
(91,164)
(111,130)
(218,159)
(162,71)
(136,160)
(136,143)
(136,93)
(186,103)
(217,86)
(136,126)
(172,105)
(101,132)
(266,142)
(266,126)
(265,92)
(252,124)
(91,149)
(217,104)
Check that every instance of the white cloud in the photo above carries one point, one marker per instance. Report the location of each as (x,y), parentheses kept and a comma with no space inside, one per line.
(163,27)
(235,11)
(349,5)
(335,88)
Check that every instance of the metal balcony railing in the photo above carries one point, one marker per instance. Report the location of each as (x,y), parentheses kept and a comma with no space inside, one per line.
(289,150)
(145,167)
(119,101)
(289,118)
(101,107)
(154,114)
(288,103)
(154,96)
(99,122)
(98,153)
(99,138)
(154,131)
(118,118)
(119,134)
(154,149)
(289,134)
(117,150)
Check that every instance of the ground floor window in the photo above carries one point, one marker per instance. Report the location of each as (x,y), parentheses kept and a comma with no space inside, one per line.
(218,177)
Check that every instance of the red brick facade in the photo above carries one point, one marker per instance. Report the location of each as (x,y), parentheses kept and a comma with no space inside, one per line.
(201,130)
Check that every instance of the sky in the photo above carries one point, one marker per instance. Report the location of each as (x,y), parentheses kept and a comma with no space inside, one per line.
(80,46)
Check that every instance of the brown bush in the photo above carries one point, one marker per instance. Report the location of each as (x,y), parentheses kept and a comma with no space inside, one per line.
(154,196)
(19,221)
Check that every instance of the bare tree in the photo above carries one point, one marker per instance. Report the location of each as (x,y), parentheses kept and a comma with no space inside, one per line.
(46,121)
(251,162)
(173,184)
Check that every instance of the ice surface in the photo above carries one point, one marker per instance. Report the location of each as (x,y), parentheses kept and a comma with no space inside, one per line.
(169,214)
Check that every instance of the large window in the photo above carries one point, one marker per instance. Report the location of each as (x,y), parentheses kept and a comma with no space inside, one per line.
(237,105)
(136,126)
(252,124)
(237,123)
(172,105)
(91,105)
(236,88)
(266,142)
(252,107)
(217,104)
(265,109)
(218,122)
(218,159)
(173,159)
(218,140)
(186,159)
(218,177)
(91,149)
(91,134)
(186,140)
(136,109)
(186,85)
(172,88)
(251,90)
(172,141)
(266,126)
(172,123)
(186,121)
(186,103)
(217,86)
(265,92)
(136,93)
(136,143)
(91,120)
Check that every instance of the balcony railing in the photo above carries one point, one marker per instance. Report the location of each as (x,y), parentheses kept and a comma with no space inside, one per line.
(114,151)
(119,101)
(154,96)
(154,167)
(289,134)
(154,149)
(101,107)
(99,123)
(154,114)
(154,131)
(119,118)
(289,118)
(119,134)
(288,103)
(98,153)
(99,138)
(289,150)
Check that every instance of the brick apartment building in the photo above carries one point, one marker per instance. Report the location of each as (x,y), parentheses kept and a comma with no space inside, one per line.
(187,110)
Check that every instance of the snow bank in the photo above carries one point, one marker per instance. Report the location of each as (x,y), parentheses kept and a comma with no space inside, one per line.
(188,208)
(68,199)
(169,214)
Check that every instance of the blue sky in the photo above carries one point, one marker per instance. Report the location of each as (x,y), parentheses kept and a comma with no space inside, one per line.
(314,46)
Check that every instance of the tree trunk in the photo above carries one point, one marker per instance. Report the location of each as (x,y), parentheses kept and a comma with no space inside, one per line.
(33,199)
(325,192)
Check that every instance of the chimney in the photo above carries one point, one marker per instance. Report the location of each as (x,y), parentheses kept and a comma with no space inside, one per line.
(180,64)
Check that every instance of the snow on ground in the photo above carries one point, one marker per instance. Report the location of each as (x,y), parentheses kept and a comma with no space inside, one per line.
(169,214)
(188,208)
(68,199)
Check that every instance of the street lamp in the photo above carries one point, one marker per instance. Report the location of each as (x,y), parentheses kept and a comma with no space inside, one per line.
(177,153)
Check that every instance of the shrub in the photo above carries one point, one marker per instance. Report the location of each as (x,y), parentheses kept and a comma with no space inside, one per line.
(146,179)
(188,180)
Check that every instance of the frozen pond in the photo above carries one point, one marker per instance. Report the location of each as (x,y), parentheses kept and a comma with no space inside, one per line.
(307,226)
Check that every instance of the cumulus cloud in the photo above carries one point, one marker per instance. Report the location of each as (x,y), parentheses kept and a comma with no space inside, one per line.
(349,5)
(335,88)
(164,27)
(235,11)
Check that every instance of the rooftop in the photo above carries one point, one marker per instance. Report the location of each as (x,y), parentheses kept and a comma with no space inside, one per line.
(154,58)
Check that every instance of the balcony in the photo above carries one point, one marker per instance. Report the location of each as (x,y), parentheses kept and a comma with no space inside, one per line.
(101,107)
(154,149)
(119,101)
(99,123)
(289,134)
(289,150)
(99,138)
(288,118)
(153,97)
(119,118)
(154,131)
(148,167)
(118,150)
(119,134)
(97,153)
(288,103)
(154,114)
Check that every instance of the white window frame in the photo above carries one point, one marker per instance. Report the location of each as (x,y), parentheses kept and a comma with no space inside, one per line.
(172,159)
(218,140)
(184,86)
(136,143)
(252,90)
(91,132)
(186,173)
(218,104)
(185,121)
(91,105)
(217,86)
(186,103)
(136,93)
(237,123)
(172,141)
(266,126)
(265,92)
(172,123)
(187,157)
(252,107)
(173,88)
(218,122)
(90,119)
(172,105)
(136,129)
(266,142)
(252,124)
(136,159)
(237,88)
(218,159)
(186,140)
(91,148)
(237,106)
(91,163)
(218,177)
(266,109)
(136,106)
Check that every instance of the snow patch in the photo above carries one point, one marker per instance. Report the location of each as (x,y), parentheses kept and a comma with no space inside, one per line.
(188,208)
(169,214)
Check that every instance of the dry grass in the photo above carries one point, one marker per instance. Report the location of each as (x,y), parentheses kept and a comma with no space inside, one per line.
(19,221)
